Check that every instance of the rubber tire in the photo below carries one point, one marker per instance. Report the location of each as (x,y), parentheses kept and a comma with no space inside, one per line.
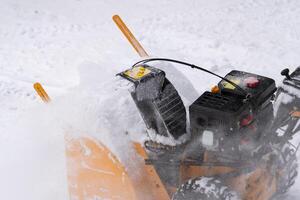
(204,188)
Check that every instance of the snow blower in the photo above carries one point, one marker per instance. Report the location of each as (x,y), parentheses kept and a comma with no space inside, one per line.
(238,148)
(239,145)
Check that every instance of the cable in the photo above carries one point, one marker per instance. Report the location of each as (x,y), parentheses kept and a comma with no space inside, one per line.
(192,66)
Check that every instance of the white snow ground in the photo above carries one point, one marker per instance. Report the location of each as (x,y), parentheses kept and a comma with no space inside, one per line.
(47,41)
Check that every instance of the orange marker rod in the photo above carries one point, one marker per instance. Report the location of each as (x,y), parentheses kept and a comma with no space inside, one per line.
(130,37)
(41,92)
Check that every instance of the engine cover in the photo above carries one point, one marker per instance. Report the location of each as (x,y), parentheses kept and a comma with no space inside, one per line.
(228,112)
(259,88)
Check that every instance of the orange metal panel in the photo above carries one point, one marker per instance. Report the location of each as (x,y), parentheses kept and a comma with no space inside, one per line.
(151,182)
(261,185)
(94,172)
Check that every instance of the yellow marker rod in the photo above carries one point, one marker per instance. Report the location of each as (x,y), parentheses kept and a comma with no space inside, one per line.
(130,37)
(41,92)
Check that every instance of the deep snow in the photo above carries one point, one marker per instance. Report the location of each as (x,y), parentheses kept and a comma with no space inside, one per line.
(73,48)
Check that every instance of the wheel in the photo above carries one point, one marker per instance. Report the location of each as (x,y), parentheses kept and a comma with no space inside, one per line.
(288,169)
(204,188)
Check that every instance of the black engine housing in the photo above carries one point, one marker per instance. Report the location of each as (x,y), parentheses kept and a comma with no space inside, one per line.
(229,113)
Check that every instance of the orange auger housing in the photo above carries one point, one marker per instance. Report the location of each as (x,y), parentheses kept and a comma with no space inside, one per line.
(95,173)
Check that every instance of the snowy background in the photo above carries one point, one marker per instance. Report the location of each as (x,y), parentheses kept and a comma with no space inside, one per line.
(73,46)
